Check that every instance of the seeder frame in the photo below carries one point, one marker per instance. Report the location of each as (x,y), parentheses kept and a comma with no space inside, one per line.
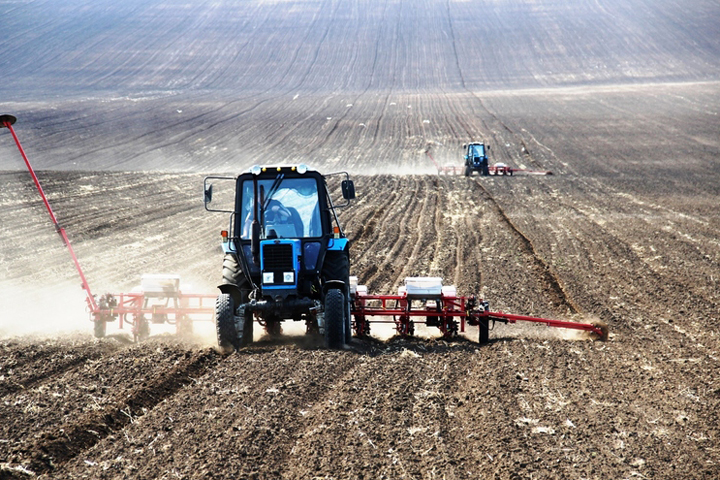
(449,313)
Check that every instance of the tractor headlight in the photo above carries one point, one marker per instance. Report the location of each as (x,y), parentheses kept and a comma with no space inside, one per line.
(302,168)
(268,277)
(255,169)
(288,277)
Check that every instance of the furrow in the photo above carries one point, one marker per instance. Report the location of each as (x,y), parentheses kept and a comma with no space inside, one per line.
(54,450)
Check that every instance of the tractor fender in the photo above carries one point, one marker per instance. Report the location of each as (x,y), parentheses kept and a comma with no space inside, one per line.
(232,290)
(337,244)
(338,284)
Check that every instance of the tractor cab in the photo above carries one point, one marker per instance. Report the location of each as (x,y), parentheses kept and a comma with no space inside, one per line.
(476,158)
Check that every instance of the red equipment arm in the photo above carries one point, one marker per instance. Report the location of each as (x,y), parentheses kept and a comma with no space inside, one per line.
(600,330)
(7,121)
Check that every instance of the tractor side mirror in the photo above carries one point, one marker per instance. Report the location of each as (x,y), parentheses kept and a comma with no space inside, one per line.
(208,194)
(348,189)
(487,147)
(464,146)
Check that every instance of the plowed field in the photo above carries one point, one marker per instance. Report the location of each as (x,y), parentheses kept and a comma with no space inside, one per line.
(534,402)
(123,107)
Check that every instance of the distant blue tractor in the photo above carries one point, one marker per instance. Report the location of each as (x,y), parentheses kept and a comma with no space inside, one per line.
(286,256)
(476,159)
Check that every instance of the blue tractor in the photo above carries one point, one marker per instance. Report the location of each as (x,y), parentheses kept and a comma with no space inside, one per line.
(476,159)
(286,256)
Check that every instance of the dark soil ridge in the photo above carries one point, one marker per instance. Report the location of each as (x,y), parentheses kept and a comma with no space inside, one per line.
(53,451)
(91,352)
(545,271)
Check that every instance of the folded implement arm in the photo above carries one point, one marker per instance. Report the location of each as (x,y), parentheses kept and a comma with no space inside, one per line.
(8,121)
(148,305)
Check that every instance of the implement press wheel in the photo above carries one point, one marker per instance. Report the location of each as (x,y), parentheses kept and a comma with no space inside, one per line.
(484,330)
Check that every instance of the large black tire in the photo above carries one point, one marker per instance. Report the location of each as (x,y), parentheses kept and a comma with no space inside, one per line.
(273,326)
(227,333)
(334,318)
(484,336)
(468,170)
(485,168)
(232,273)
(348,322)
(337,267)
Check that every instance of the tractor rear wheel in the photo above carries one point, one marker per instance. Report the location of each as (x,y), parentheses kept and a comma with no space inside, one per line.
(334,318)
(232,273)
(348,323)
(337,267)
(225,323)
(273,326)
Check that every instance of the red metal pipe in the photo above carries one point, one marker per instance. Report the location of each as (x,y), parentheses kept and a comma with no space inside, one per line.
(510,318)
(7,121)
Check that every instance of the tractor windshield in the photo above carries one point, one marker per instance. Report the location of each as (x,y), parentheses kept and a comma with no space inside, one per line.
(289,208)
(477,150)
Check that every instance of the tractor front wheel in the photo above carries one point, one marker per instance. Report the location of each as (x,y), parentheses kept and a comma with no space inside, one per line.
(334,319)
(227,333)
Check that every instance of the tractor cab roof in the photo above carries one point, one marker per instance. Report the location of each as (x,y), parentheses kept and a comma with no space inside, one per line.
(267,170)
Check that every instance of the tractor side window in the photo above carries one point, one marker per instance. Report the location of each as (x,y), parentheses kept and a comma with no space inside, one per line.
(292,209)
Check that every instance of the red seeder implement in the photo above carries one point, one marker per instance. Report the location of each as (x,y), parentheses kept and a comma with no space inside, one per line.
(426,300)
(494,170)
(503,169)
(158,299)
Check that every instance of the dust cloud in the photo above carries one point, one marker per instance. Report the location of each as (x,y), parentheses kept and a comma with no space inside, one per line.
(43,310)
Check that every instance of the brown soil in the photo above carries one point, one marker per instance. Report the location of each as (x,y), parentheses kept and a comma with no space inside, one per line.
(534,402)
(123,107)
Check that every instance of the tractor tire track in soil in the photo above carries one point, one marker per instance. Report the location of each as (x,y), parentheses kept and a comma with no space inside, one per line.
(542,269)
(52,451)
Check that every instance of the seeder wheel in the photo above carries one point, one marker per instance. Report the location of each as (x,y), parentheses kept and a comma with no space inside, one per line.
(361,326)
(100,327)
(141,330)
(449,328)
(404,326)
(604,329)
(484,327)
(184,326)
